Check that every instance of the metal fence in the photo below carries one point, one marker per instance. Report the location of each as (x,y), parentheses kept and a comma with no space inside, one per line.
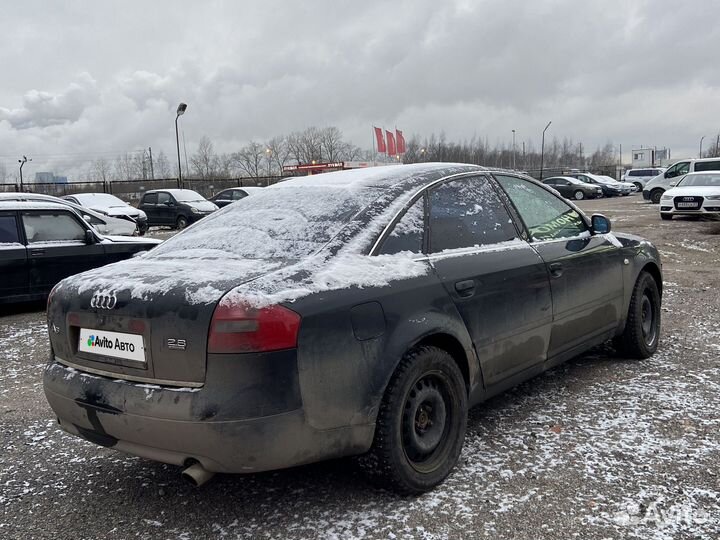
(608,170)
(132,190)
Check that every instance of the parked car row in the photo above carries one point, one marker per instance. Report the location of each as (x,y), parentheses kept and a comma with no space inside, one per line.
(655,188)
(578,186)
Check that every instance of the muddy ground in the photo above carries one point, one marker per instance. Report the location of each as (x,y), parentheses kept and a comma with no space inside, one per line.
(601,447)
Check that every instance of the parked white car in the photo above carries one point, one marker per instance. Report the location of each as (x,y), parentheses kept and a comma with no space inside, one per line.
(697,194)
(112,206)
(655,188)
(640,177)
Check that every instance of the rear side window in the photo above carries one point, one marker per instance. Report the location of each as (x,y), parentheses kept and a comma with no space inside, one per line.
(546,216)
(8,230)
(707,166)
(408,233)
(52,227)
(467,213)
(150,198)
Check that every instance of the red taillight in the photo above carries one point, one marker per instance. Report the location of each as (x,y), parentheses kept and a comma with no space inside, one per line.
(240,328)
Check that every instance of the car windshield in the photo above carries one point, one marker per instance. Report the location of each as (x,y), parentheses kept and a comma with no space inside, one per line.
(700,180)
(278,223)
(187,195)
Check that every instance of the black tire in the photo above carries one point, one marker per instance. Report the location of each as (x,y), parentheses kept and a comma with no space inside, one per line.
(421,424)
(181,223)
(578,195)
(642,328)
(639,187)
(666,217)
(656,195)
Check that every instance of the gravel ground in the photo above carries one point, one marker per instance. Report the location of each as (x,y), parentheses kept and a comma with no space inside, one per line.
(601,447)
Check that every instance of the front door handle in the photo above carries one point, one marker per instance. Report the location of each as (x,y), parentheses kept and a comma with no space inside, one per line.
(556,270)
(465,288)
(37,251)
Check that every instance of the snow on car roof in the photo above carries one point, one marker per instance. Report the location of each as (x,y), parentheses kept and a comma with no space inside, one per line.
(32,205)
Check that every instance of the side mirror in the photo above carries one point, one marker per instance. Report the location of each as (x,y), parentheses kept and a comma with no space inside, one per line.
(89,237)
(673,184)
(600,224)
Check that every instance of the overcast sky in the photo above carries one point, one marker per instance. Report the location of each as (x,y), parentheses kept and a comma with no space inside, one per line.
(88,79)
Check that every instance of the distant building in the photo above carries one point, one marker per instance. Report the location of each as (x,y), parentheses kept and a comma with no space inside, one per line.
(49,178)
(650,157)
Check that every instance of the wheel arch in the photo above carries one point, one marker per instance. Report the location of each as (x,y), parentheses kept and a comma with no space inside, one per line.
(450,345)
(653,269)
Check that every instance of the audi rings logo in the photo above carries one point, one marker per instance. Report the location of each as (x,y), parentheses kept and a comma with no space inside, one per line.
(688,198)
(103,301)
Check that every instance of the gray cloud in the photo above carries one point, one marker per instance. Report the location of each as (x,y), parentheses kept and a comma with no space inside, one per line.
(639,73)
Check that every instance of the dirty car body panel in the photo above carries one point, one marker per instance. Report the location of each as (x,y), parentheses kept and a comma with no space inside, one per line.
(367,276)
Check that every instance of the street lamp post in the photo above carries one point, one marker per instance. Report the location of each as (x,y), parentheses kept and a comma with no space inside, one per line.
(701,141)
(22,162)
(513,149)
(180,111)
(267,157)
(542,150)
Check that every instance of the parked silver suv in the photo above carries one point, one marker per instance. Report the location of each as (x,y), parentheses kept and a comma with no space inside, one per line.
(640,177)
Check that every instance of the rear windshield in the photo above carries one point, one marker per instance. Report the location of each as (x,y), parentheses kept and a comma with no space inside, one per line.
(277,223)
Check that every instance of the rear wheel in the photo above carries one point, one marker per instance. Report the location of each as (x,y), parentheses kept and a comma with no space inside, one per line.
(642,328)
(181,223)
(639,187)
(656,195)
(421,423)
(666,217)
(579,195)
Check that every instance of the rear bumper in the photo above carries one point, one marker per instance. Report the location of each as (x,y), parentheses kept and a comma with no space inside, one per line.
(219,425)
(646,194)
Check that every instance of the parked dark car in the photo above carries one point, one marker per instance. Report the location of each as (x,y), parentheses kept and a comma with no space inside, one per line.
(610,187)
(351,313)
(231,195)
(176,208)
(43,242)
(572,188)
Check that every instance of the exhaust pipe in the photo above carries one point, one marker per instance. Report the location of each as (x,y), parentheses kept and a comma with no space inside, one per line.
(197,475)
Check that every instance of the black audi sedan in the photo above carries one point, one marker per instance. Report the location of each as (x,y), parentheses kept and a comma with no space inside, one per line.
(44,242)
(357,313)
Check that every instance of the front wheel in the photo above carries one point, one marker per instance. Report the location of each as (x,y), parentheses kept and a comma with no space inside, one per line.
(579,195)
(642,328)
(421,423)
(656,195)
(181,223)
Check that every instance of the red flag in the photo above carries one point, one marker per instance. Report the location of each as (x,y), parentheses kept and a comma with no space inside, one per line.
(380,140)
(390,143)
(400,141)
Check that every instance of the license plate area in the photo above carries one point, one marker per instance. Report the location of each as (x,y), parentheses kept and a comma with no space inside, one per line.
(118,348)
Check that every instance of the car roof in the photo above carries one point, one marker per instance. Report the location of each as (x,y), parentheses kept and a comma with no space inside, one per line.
(389,176)
(172,191)
(698,173)
(33,205)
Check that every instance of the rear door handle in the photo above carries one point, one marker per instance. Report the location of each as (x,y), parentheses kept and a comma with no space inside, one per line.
(465,288)
(37,251)
(556,270)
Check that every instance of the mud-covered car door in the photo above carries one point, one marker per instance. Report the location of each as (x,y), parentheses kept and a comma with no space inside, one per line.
(585,269)
(497,281)
(13,258)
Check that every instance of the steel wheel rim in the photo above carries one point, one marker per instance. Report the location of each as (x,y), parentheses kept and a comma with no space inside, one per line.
(426,422)
(648,320)
(579,196)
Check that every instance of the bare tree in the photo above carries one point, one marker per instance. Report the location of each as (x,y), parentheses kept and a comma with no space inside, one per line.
(250,159)
(162,166)
(100,170)
(3,173)
(204,162)
(124,167)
